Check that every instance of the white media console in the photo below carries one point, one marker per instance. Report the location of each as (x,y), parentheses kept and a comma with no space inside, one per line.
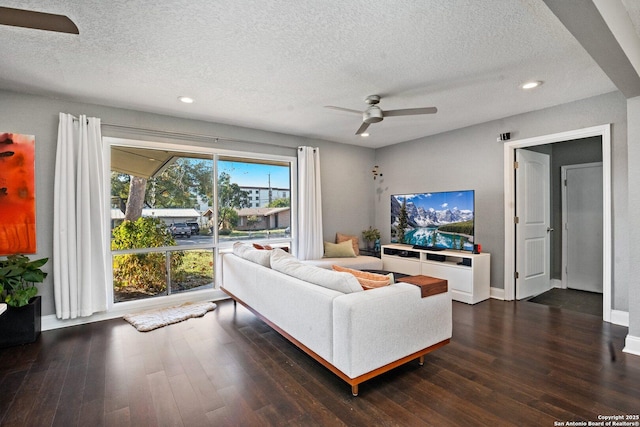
(467,274)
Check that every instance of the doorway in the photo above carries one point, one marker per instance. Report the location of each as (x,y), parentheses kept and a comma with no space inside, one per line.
(510,147)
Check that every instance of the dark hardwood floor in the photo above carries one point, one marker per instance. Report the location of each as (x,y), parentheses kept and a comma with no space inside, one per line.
(507,364)
(571,299)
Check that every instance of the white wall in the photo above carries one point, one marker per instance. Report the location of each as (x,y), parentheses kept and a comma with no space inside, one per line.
(471,158)
(346,189)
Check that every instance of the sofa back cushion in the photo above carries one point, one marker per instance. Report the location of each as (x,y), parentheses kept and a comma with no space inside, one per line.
(291,266)
(252,254)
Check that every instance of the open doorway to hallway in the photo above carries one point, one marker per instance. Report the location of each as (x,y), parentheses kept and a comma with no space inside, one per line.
(570,217)
(590,145)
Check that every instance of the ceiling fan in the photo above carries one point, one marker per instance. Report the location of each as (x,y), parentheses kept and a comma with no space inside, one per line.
(37,20)
(375,114)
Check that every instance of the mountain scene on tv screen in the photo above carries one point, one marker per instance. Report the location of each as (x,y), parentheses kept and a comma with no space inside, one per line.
(438,220)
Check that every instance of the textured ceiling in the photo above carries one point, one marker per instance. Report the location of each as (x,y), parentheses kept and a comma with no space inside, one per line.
(633,9)
(273,65)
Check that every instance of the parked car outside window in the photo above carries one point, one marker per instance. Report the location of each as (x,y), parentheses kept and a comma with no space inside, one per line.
(195,228)
(180,229)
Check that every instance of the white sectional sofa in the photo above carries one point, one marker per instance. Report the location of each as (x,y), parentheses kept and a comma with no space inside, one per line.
(356,334)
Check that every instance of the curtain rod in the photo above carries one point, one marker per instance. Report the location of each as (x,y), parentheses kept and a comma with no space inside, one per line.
(165,133)
(184,135)
(189,135)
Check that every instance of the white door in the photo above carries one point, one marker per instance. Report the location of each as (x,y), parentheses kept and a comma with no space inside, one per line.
(533,214)
(582,223)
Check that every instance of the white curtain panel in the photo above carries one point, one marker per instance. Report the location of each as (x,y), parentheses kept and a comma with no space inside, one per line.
(79,241)
(310,244)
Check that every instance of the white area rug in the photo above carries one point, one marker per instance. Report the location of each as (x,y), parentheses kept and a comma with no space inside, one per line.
(157,318)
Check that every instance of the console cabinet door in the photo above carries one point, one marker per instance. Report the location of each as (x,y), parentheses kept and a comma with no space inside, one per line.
(410,266)
(459,278)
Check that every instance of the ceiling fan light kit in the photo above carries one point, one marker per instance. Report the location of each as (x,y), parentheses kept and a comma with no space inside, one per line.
(372,114)
(375,114)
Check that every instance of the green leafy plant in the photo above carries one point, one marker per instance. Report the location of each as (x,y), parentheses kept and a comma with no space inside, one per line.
(144,271)
(371,234)
(145,232)
(18,274)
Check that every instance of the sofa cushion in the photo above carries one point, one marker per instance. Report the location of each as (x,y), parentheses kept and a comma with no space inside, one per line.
(367,280)
(339,250)
(252,254)
(353,239)
(289,265)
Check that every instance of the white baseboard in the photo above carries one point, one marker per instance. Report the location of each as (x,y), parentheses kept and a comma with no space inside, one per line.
(52,322)
(496,293)
(556,283)
(632,345)
(620,318)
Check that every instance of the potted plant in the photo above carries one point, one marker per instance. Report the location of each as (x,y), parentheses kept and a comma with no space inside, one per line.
(21,323)
(370,236)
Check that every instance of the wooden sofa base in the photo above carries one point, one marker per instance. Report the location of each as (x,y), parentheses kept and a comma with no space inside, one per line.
(353,382)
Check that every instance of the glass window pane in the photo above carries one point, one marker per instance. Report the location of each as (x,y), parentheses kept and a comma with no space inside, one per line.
(192,270)
(158,199)
(137,276)
(174,187)
(254,199)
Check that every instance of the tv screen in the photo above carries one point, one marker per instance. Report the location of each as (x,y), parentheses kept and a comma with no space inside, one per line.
(442,220)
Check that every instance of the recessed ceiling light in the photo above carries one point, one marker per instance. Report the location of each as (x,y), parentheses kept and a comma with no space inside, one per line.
(185,99)
(531,85)
(364,135)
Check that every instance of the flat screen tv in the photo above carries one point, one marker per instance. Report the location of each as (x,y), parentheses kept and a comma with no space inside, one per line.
(442,220)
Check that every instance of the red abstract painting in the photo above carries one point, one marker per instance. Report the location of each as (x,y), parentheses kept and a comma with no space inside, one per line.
(17,194)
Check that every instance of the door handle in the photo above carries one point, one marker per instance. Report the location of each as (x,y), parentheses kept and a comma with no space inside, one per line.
(549,229)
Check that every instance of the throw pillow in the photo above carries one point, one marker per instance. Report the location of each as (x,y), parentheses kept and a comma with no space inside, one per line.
(291,266)
(261,247)
(252,254)
(367,280)
(339,250)
(354,241)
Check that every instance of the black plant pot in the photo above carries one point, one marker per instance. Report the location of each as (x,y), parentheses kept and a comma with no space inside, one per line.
(21,325)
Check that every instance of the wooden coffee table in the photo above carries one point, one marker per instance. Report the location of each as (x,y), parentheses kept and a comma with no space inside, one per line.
(428,285)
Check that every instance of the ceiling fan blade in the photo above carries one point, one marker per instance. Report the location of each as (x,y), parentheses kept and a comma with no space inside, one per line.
(37,20)
(348,110)
(362,128)
(410,111)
